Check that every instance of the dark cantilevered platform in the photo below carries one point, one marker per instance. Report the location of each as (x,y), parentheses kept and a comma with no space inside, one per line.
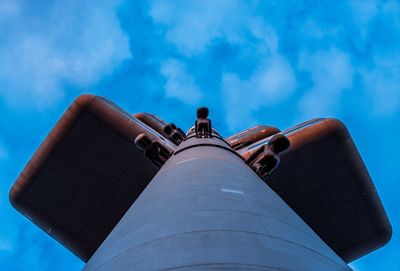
(87,173)
(323,178)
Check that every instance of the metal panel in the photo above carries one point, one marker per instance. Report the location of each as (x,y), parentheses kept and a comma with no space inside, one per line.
(85,175)
(323,178)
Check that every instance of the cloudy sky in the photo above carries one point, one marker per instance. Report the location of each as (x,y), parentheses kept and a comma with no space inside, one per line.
(250,62)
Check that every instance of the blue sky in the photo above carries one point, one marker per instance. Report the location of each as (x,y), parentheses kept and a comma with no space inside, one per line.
(250,62)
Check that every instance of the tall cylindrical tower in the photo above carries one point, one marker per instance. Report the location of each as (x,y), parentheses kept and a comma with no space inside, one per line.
(206,210)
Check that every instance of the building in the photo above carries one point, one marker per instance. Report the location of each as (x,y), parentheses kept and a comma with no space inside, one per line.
(173,201)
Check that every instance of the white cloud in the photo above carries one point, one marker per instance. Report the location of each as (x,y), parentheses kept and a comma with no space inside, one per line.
(3,153)
(179,84)
(275,79)
(268,41)
(193,25)
(9,231)
(66,42)
(273,82)
(312,32)
(331,73)
(392,8)
(382,85)
(364,11)
(6,245)
(4,149)
(8,8)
